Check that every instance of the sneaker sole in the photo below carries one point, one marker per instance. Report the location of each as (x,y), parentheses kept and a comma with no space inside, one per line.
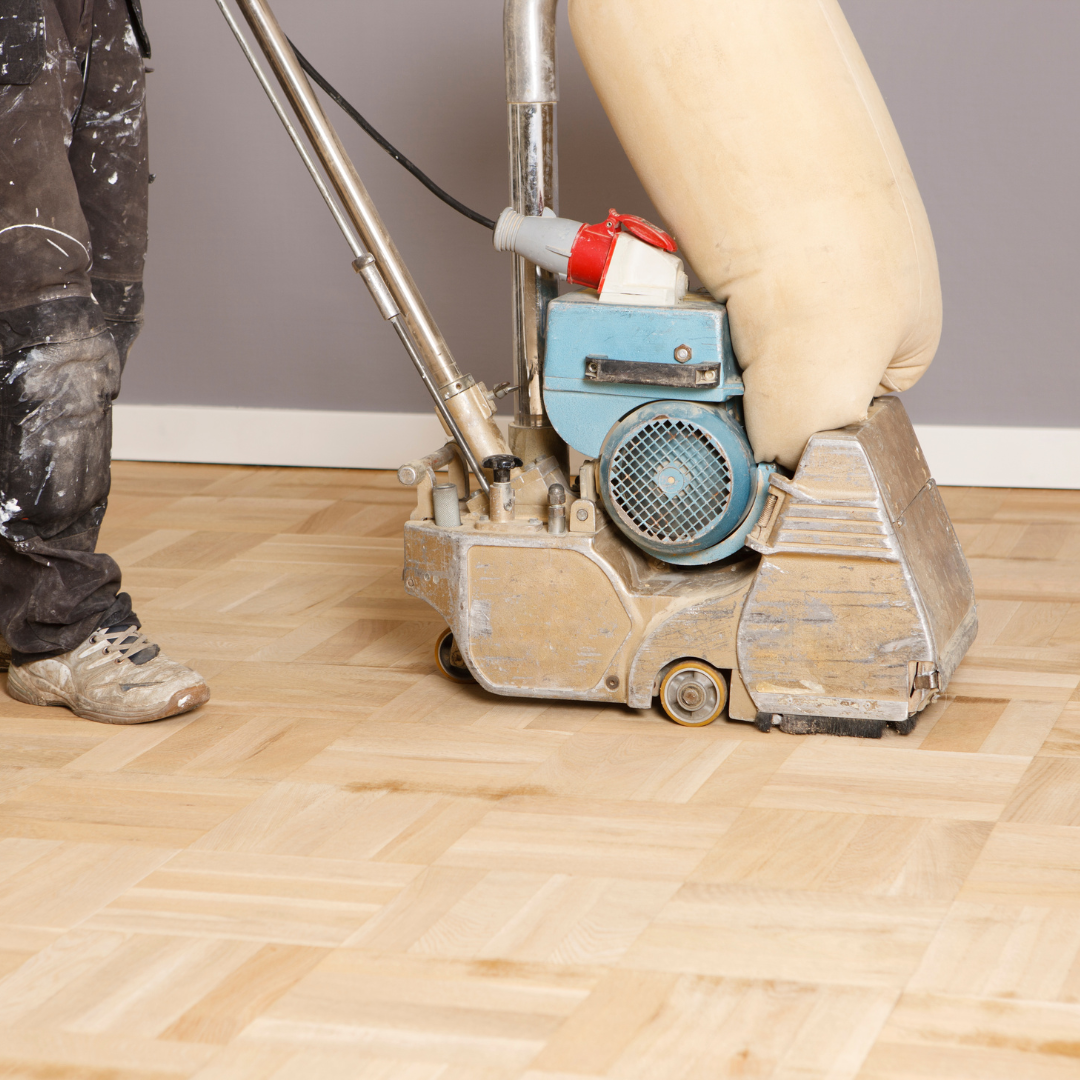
(181,702)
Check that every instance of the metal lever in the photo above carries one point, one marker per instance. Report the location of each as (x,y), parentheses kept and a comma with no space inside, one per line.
(412,472)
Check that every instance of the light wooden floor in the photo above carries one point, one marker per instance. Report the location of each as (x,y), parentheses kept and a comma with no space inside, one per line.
(345,866)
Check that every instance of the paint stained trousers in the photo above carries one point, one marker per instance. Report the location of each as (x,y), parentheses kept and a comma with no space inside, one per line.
(73,206)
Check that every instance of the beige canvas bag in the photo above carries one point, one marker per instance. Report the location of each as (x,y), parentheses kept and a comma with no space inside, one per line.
(762,138)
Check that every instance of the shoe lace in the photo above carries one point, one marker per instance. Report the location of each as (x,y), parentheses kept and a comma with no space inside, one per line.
(119,643)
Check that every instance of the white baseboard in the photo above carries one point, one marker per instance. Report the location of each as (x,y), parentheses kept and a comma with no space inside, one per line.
(235,436)
(1016,457)
(958,455)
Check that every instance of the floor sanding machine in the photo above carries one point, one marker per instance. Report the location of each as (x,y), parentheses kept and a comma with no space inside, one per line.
(834,598)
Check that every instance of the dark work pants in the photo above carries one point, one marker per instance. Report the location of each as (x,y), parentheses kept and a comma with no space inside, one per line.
(73,201)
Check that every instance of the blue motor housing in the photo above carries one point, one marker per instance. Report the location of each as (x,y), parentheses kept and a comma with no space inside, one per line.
(654,393)
(678,478)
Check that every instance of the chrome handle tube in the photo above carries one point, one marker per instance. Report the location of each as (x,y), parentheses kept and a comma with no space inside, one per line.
(350,189)
(343,223)
(377,259)
(531,97)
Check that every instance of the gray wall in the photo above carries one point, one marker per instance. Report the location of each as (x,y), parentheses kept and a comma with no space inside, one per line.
(251,299)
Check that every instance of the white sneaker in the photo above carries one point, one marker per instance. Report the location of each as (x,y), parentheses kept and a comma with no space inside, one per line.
(116,676)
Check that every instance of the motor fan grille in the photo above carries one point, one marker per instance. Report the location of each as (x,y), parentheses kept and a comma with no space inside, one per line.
(687,458)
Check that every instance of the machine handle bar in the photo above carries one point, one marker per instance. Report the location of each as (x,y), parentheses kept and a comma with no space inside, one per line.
(377,259)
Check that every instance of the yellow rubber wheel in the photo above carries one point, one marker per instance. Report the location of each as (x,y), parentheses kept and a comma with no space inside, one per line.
(693,693)
(449,661)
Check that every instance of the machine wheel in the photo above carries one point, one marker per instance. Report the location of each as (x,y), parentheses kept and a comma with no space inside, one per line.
(449,661)
(693,693)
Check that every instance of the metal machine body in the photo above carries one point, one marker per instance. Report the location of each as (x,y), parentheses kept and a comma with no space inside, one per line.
(836,600)
(851,601)
(862,606)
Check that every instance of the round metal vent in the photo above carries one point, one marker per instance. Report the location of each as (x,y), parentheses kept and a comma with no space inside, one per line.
(670,481)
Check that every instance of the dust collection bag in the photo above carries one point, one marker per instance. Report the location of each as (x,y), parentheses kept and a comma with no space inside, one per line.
(762,138)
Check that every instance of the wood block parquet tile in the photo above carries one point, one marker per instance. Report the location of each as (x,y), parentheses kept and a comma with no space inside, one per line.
(346,867)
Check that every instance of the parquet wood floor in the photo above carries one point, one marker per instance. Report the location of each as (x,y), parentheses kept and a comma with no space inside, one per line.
(346,867)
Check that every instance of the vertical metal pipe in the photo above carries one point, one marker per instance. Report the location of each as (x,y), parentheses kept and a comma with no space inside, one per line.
(531,96)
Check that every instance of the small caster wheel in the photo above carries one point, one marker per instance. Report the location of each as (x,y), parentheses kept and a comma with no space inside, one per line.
(693,693)
(449,661)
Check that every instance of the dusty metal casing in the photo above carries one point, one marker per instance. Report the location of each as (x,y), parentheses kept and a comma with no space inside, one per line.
(856,603)
(578,616)
(863,605)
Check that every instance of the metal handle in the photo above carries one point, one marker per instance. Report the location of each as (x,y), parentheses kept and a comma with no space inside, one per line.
(343,222)
(603,369)
(412,472)
(350,188)
(379,263)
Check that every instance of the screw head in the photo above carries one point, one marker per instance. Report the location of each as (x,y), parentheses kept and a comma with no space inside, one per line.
(683,353)
(612,682)
(583,514)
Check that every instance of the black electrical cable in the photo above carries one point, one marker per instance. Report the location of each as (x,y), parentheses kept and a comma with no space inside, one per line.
(396,154)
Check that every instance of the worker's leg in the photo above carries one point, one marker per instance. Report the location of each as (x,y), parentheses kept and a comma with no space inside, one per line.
(58,375)
(74,638)
(109,162)
(59,367)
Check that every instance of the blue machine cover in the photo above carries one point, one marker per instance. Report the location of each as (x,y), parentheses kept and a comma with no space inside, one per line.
(579,326)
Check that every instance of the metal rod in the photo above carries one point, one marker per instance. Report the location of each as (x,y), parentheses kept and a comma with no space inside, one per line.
(531,96)
(532,190)
(350,189)
(366,267)
(343,222)
(412,472)
(365,262)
